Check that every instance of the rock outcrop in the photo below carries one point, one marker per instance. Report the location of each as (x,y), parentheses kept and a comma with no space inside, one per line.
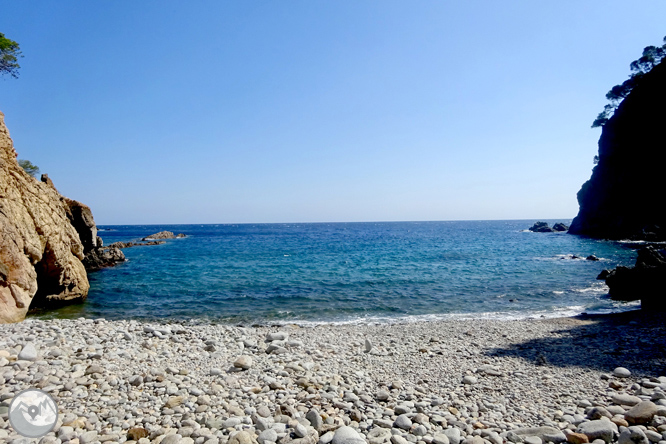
(645,281)
(135,244)
(40,250)
(103,257)
(164,235)
(624,197)
(543,227)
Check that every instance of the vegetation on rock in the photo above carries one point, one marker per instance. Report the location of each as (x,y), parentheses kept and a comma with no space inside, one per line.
(9,55)
(652,56)
(28,167)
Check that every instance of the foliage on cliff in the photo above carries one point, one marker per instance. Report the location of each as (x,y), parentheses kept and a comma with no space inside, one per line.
(9,55)
(29,167)
(652,56)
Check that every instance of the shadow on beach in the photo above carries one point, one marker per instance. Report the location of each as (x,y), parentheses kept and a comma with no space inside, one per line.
(635,340)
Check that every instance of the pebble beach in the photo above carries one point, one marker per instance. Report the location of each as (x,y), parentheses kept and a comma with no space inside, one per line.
(595,379)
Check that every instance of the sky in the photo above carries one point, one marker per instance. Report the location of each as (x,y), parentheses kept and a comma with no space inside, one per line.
(160,112)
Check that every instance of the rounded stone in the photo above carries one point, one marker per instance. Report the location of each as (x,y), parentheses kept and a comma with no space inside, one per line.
(28,352)
(403,422)
(621,372)
(243,362)
(346,435)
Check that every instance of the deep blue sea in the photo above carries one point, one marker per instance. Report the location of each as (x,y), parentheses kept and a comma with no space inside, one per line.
(352,272)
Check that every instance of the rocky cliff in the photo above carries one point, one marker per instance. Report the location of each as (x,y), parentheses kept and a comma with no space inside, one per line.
(40,249)
(624,197)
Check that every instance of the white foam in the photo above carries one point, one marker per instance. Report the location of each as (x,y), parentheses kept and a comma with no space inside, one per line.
(561,312)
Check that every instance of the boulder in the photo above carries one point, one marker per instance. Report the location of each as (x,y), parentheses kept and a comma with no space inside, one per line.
(164,235)
(99,258)
(560,227)
(644,281)
(40,250)
(135,244)
(541,227)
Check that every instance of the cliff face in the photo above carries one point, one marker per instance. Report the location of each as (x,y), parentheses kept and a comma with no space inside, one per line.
(40,250)
(624,198)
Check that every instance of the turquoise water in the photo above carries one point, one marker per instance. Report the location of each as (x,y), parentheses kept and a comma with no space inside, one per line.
(352,272)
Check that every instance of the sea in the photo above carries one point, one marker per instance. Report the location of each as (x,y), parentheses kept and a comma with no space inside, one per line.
(313,273)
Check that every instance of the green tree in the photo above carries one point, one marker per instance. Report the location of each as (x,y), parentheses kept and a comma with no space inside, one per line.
(652,56)
(9,55)
(29,168)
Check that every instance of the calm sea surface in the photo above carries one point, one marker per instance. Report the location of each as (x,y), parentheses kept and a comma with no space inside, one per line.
(352,272)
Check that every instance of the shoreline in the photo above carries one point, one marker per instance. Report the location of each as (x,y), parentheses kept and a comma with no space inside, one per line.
(563,312)
(475,379)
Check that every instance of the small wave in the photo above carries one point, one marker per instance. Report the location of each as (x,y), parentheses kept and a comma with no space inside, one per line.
(561,312)
(598,287)
(558,292)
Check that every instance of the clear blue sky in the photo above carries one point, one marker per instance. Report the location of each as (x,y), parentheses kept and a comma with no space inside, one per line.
(308,111)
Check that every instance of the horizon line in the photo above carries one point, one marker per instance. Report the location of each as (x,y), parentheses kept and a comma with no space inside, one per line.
(338,222)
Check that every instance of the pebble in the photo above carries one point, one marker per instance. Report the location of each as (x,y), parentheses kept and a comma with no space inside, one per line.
(277,336)
(315,419)
(625,399)
(598,429)
(469,380)
(407,389)
(621,372)
(382,395)
(632,435)
(28,352)
(347,435)
(244,362)
(453,434)
(440,438)
(403,422)
(268,435)
(641,413)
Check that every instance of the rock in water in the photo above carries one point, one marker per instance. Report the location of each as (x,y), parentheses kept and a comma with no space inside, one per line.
(163,235)
(541,227)
(644,281)
(40,250)
(99,258)
(560,227)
